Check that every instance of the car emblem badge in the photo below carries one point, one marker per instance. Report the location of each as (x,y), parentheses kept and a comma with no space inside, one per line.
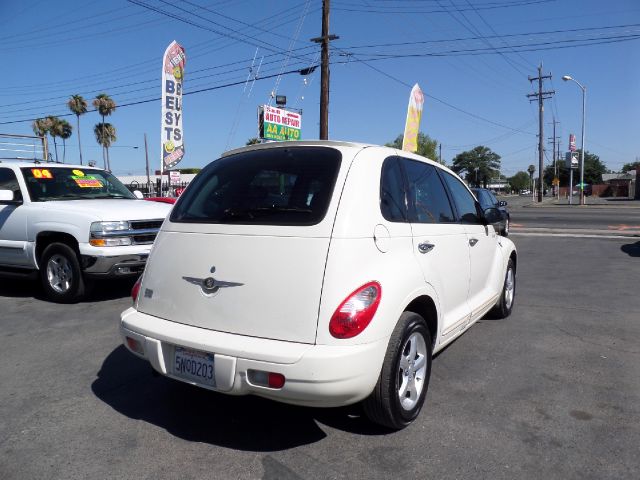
(210,285)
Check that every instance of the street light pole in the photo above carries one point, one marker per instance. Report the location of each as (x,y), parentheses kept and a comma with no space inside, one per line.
(584,104)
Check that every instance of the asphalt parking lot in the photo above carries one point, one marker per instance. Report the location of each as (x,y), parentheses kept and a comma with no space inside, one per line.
(551,392)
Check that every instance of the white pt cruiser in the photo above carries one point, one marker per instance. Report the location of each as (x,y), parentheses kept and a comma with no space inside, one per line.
(319,274)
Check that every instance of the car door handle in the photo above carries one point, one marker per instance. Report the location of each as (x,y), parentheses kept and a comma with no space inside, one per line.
(473,241)
(425,247)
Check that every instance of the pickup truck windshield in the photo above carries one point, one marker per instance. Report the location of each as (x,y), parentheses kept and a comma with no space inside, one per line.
(64,183)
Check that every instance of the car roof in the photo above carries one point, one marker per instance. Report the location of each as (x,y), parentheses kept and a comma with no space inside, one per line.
(332,143)
(297,143)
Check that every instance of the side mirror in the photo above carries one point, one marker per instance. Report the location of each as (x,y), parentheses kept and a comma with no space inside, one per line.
(502,203)
(138,194)
(492,215)
(7,198)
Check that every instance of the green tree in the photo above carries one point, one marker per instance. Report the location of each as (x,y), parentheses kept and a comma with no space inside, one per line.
(593,170)
(630,166)
(105,106)
(478,165)
(426,145)
(78,105)
(520,181)
(253,141)
(105,135)
(190,170)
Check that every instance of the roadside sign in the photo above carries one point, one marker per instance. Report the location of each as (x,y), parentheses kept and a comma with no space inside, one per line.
(174,177)
(571,159)
(556,181)
(279,124)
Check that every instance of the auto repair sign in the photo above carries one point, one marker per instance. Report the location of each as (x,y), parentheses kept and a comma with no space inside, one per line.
(280,124)
(172,80)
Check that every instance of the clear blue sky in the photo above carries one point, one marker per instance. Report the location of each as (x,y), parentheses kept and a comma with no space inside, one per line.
(474,96)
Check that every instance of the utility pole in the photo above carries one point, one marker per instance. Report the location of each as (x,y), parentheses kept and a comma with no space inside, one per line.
(324,70)
(540,97)
(146,159)
(555,159)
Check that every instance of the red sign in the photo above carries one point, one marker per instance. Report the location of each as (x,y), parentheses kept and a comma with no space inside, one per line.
(572,142)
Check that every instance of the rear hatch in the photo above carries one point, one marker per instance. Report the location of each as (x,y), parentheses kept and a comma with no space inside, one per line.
(245,249)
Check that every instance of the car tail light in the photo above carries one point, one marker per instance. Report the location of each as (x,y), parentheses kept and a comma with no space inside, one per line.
(136,289)
(356,311)
(266,379)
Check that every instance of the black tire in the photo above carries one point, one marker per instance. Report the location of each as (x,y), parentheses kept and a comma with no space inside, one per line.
(504,307)
(384,405)
(60,274)
(505,230)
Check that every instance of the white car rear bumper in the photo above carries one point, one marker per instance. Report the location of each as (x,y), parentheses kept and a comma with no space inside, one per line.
(315,375)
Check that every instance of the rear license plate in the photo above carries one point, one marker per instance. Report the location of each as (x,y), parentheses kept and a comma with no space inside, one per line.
(195,366)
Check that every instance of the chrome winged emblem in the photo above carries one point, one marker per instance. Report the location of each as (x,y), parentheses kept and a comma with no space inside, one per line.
(210,285)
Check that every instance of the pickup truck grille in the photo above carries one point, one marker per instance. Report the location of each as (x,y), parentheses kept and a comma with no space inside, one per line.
(145,224)
(146,231)
(144,239)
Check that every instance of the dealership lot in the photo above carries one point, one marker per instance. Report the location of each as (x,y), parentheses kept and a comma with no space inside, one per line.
(552,391)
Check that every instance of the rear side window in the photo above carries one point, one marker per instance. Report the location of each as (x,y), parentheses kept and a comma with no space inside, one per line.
(393,204)
(278,186)
(464,201)
(428,197)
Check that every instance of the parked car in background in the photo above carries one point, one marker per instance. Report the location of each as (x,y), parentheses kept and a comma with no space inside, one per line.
(488,199)
(72,223)
(170,200)
(319,274)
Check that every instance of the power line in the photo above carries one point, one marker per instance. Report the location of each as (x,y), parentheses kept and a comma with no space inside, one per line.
(155,99)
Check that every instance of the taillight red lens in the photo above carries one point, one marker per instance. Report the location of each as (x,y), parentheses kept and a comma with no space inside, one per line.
(136,289)
(356,311)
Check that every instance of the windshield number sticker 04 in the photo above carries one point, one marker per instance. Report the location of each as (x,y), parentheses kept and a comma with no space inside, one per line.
(194,366)
(41,173)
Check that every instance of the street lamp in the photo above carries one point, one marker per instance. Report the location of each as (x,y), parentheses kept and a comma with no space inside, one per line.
(566,78)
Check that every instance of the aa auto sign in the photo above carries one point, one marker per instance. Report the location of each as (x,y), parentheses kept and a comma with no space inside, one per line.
(172,81)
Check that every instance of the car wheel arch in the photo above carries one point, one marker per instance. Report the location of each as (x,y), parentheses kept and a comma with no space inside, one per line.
(425,306)
(46,238)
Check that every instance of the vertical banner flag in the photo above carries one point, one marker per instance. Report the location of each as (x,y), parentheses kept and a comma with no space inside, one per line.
(572,142)
(414,114)
(172,77)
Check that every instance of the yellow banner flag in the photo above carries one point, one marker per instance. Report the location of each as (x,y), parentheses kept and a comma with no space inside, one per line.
(414,114)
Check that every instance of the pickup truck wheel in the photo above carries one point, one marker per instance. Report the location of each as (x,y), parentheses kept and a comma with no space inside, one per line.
(402,386)
(60,273)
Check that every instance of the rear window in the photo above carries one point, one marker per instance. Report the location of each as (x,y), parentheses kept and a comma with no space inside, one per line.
(277,186)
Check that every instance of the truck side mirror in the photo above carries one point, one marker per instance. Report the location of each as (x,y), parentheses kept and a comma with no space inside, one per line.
(7,198)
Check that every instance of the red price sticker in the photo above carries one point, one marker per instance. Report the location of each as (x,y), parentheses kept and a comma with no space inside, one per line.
(41,173)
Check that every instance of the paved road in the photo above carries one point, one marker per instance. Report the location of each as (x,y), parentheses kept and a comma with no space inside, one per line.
(552,392)
(614,218)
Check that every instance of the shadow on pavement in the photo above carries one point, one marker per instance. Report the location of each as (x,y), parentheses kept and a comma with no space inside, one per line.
(247,423)
(631,249)
(18,288)
(100,291)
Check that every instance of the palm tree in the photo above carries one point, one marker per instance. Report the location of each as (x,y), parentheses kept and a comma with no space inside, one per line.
(105,106)
(78,106)
(64,131)
(41,128)
(54,130)
(105,136)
